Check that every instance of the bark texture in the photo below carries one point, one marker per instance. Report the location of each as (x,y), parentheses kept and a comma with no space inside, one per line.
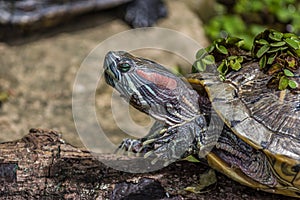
(43,166)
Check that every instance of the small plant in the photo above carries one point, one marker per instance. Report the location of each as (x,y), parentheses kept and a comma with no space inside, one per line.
(230,63)
(225,52)
(277,54)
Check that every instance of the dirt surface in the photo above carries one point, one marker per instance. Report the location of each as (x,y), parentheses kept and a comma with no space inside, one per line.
(38,74)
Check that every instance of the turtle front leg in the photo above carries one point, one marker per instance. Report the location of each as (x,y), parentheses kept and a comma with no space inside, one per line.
(137,146)
(168,144)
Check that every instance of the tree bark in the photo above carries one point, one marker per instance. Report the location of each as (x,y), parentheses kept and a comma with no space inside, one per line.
(43,166)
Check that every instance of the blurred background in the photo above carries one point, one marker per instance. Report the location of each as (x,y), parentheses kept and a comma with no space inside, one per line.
(39,58)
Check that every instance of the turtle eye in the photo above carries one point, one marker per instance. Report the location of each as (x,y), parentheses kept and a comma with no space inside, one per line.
(124,66)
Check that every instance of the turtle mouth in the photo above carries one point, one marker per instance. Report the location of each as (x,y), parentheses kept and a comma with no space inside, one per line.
(111,73)
(109,78)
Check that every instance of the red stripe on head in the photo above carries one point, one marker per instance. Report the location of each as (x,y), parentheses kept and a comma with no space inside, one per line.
(158,79)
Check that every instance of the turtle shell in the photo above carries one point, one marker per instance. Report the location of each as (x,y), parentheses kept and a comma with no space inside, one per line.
(26,12)
(266,119)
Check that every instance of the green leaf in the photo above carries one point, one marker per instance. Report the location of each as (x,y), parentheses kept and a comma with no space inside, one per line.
(293,84)
(233,40)
(200,66)
(298,52)
(288,73)
(222,77)
(262,50)
(221,49)
(278,44)
(231,57)
(262,62)
(236,66)
(218,41)
(276,36)
(243,44)
(283,83)
(283,48)
(201,53)
(240,59)
(222,68)
(271,58)
(209,60)
(210,48)
(191,158)
(291,61)
(289,35)
(272,50)
(292,43)
(262,41)
(277,49)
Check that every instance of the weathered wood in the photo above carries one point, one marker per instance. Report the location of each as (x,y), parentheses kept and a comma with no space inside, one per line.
(43,166)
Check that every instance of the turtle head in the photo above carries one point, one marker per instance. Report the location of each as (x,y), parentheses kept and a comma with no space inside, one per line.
(151,88)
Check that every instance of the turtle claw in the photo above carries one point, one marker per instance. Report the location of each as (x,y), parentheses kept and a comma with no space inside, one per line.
(133,147)
(126,146)
(145,149)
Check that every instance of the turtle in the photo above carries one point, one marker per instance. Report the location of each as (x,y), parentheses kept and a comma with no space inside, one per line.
(34,14)
(244,129)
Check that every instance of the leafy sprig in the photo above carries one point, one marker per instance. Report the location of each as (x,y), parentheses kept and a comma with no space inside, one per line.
(223,53)
(278,55)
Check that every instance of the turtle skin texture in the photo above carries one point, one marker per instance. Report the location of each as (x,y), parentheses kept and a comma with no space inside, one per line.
(244,129)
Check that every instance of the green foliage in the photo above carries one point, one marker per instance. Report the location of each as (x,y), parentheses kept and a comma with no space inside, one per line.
(220,49)
(283,11)
(191,158)
(230,63)
(245,19)
(203,60)
(278,55)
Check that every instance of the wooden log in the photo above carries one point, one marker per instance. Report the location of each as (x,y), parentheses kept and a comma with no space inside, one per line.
(43,166)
